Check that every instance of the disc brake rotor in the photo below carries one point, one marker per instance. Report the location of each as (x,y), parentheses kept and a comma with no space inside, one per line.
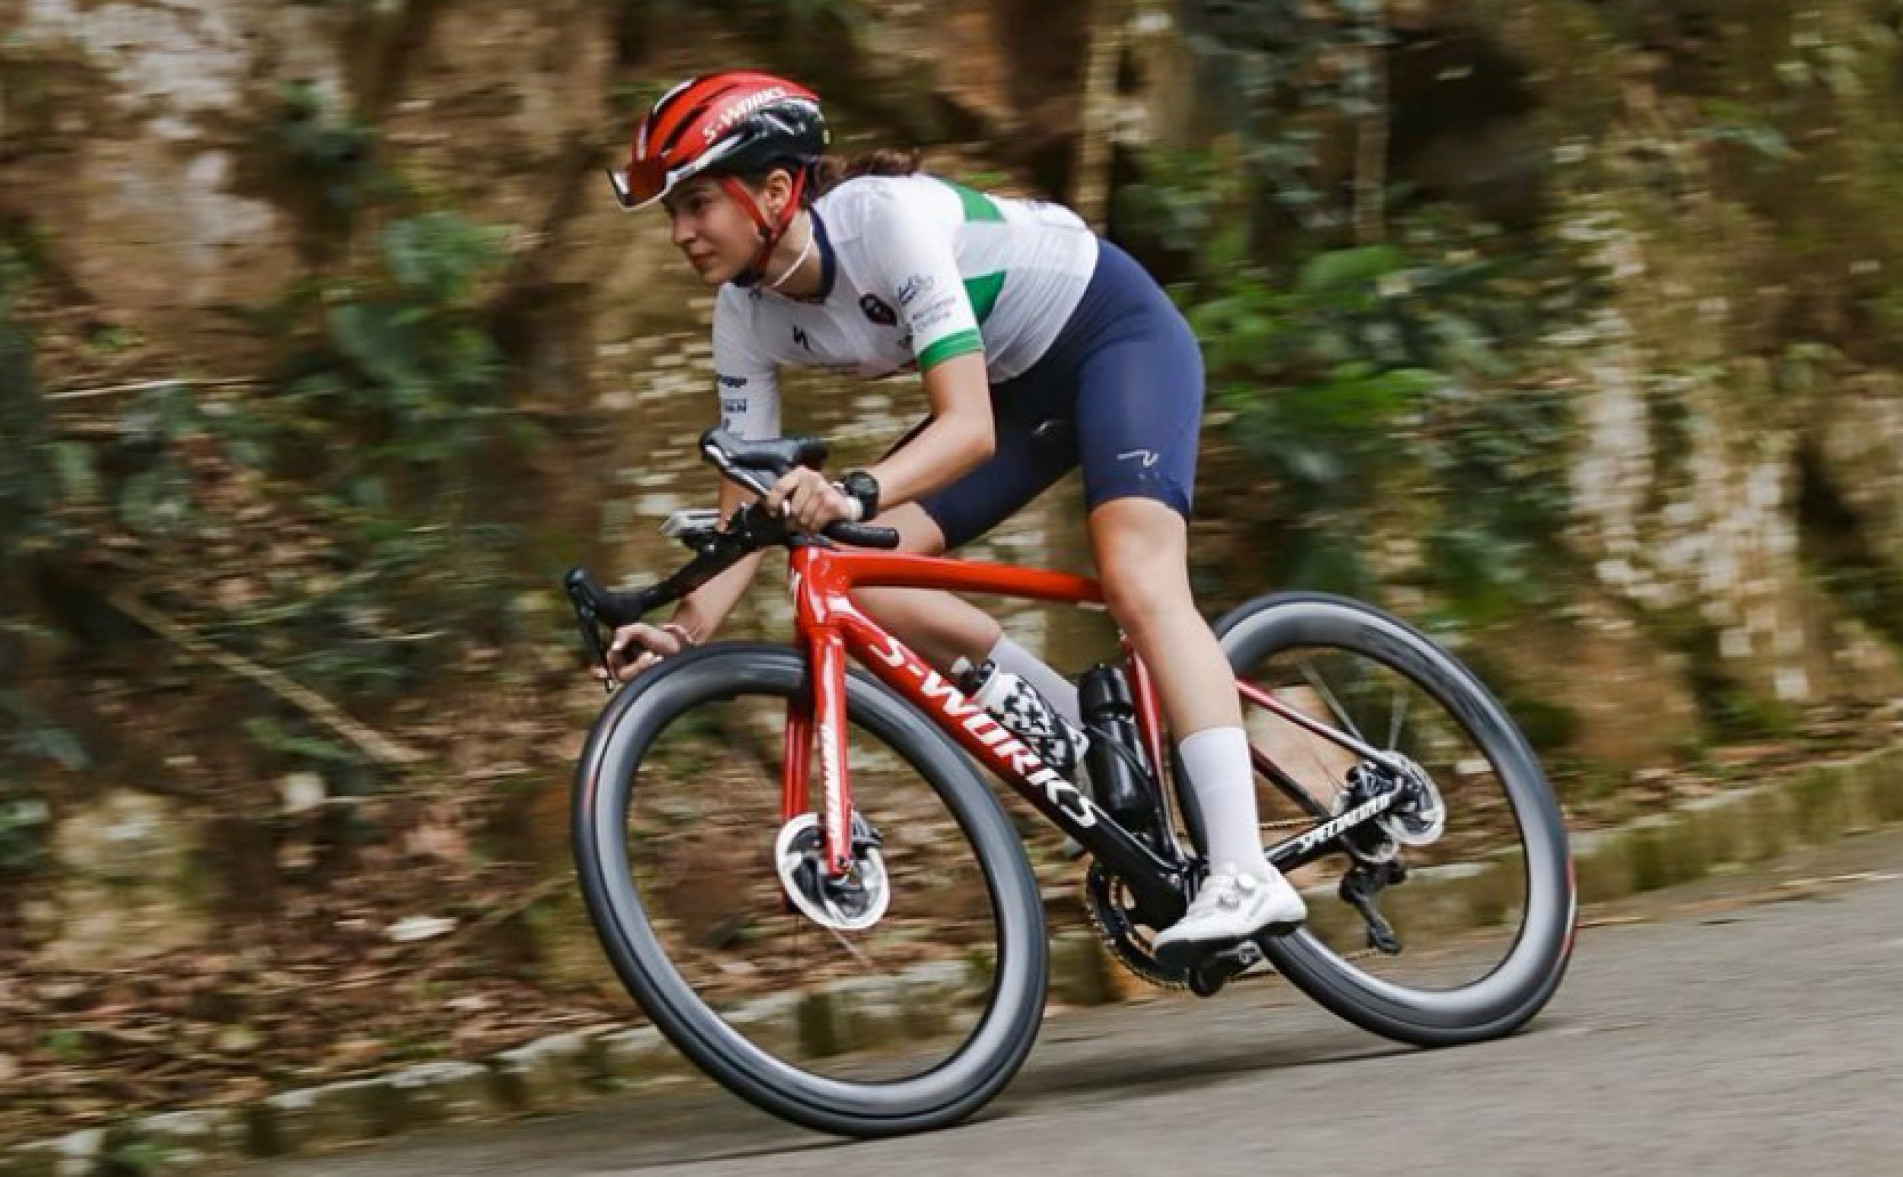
(1418,815)
(851,904)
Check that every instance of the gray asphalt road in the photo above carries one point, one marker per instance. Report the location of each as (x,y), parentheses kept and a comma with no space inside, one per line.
(1752,1026)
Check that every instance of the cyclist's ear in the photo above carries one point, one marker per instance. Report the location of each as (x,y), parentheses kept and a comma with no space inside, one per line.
(776,190)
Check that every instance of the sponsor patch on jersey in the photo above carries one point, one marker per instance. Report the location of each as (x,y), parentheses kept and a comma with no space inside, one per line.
(932,316)
(914,286)
(876,310)
(731,381)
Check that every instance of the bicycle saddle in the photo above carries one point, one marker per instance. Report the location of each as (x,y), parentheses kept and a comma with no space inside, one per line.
(773,455)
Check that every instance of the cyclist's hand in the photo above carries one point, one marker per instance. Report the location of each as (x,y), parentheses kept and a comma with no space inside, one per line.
(809,501)
(639,646)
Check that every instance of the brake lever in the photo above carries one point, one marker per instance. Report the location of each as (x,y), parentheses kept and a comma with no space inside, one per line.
(588,621)
(738,474)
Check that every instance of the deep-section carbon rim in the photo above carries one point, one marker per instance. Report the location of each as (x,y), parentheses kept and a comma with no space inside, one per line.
(1485,846)
(609,781)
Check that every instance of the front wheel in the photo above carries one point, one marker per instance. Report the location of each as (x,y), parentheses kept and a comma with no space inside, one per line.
(900,1000)
(1480,901)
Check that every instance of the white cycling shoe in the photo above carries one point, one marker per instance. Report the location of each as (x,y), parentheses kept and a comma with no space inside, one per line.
(1233,905)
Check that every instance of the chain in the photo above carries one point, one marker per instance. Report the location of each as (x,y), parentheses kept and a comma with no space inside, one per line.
(1287,823)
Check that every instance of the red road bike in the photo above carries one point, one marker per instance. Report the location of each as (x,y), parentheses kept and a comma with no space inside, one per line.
(785,937)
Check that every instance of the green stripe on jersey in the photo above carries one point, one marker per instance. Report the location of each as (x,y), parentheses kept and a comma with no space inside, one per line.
(983,292)
(955,344)
(978,206)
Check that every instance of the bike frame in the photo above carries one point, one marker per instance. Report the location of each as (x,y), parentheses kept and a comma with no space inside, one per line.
(832,627)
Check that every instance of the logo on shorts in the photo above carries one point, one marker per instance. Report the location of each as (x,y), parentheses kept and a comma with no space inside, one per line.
(877,310)
(1147,457)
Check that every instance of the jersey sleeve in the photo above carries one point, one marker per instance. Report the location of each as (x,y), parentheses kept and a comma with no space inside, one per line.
(745,376)
(915,264)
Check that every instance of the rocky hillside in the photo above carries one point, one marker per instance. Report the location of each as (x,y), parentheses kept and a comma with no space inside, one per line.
(322,350)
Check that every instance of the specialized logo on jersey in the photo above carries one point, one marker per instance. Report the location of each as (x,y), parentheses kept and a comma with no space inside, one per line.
(876,310)
(731,381)
(799,337)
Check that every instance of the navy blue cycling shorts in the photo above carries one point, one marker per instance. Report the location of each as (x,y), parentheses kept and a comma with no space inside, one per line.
(1124,378)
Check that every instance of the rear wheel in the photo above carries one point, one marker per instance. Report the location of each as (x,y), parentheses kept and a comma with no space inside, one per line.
(1483,915)
(901,1000)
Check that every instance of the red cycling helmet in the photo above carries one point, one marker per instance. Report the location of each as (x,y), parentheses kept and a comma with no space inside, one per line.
(725,125)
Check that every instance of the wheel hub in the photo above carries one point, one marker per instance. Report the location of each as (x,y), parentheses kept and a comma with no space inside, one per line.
(1416,817)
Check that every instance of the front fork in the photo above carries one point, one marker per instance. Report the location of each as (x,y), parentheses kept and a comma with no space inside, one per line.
(816,721)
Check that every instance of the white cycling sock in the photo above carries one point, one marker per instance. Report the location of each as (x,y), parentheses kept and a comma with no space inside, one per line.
(1217,760)
(1059,691)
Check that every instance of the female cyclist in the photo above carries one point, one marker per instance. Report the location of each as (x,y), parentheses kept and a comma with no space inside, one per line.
(1014,314)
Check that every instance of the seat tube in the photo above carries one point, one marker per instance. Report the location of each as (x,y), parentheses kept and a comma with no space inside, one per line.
(1149,715)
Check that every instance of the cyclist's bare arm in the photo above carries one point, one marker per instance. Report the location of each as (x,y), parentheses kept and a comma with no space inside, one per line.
(961,434)
(698,616)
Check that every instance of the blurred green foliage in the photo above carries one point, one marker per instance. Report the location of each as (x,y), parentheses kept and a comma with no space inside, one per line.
(31,738)
(351,499)
(386,412)
(23,483)
(1288,74)
(1371,379)
(322,154)
(1368,352)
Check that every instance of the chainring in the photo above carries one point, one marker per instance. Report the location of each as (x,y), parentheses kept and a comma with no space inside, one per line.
(1121,934)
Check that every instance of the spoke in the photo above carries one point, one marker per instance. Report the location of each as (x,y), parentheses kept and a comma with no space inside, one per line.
(865,961)
(1321,687)
(1397,715)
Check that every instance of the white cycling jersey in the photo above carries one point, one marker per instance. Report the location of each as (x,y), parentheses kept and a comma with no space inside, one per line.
(917,270)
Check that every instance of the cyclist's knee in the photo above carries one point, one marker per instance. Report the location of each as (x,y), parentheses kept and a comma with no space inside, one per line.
(1141,562)
(1143,600)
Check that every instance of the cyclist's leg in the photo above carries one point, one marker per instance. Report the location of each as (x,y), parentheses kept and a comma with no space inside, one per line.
(942,627)
(1139,411)
(939,627)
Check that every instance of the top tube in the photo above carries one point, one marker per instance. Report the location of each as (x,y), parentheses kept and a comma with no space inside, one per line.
(843,570)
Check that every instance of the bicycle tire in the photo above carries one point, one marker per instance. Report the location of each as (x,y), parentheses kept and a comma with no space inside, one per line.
(1523,981)
(605,779)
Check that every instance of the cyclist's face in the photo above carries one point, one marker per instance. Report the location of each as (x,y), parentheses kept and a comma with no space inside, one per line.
(711,230)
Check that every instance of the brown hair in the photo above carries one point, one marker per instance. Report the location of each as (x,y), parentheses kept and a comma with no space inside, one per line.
(832,170)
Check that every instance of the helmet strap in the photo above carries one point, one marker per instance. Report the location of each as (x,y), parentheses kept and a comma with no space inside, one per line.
(770,233)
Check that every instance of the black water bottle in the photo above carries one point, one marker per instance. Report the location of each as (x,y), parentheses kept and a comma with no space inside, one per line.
(1118,775)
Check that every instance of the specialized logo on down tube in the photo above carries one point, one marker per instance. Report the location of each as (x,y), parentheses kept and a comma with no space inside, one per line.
(976,720)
